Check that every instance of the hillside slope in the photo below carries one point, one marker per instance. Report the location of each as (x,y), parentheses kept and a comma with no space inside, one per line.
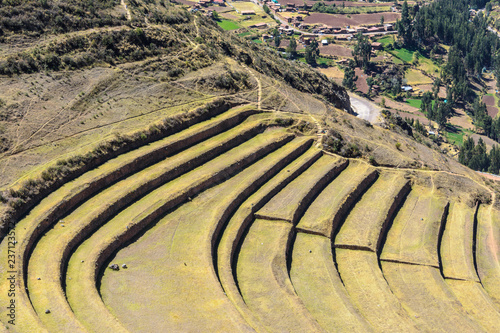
(164,175)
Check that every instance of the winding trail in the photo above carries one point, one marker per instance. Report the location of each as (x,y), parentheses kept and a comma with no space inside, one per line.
(129,16)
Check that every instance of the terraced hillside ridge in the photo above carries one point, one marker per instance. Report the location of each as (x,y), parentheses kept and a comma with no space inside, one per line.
(242,223)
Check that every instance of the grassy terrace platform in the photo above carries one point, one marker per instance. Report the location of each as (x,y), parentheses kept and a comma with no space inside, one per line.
(43,292)
(427,298)
(477,303)
(364,226)
(369,292)
(313,274)
(293,199)
(324,214)
(182,243)
(264,282)
(74,192)
(414,235)
(457,243)
(240,221)
(488,251)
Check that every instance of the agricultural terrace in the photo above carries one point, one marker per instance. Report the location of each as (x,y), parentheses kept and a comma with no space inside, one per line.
(276,233)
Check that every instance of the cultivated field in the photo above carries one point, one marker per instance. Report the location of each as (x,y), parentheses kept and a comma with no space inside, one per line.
(275,234)
(337,20)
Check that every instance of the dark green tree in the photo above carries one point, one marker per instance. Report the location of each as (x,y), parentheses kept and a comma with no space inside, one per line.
(404,26)
(362,51)
(312,52)
(349,78)
(292,48)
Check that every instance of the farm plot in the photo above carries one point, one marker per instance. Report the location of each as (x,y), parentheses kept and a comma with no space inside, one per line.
(492,108)
(354,20)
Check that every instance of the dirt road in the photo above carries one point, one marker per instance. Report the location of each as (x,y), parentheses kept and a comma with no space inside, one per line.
(364,108)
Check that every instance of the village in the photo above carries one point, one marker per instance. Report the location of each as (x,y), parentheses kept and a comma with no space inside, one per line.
(397,77)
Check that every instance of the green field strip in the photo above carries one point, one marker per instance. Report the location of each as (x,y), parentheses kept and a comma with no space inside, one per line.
(240,221)
(132,220)
(477,303)
(325,213)
(91,214)
(414,235)
(369,292)
(317,283)
(457,243)
(292,201)
(70,194)
(364,226)
(488,251)
(263,279)
(427,298)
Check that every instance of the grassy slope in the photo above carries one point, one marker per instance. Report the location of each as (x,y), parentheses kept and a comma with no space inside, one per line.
(413,237)
(363,226)
(369,292)
(266,287)
(317,283)
(321,216)
(285,204)
(457,243)
(488,265)
(184,252)
(427,298)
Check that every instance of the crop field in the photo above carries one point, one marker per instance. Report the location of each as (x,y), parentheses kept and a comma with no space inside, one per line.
(227,25)
(275,233)
(415,77)
(339,20)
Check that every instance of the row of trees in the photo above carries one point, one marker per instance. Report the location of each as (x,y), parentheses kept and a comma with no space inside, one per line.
(448,21)
(477,158)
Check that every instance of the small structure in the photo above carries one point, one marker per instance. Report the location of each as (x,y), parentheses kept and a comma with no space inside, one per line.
(246,12)
(406,88)
(324,42)
(389,27)
(376,46)
(261,25)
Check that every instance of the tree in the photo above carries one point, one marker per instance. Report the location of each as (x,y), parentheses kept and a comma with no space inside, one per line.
(370,81)
(349,78)
(292,48)
(404,25)
(312,52)
(362,51)
(215,15)
(382,20)
(266,9)
(276,36)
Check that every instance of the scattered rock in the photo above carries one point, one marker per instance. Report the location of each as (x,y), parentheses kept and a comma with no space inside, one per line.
(47,311)
(114,267)
(310,251)
(124,266)
(38,279)
(82,260)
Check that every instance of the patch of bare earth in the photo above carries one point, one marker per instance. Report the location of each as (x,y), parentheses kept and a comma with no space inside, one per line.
(337,20)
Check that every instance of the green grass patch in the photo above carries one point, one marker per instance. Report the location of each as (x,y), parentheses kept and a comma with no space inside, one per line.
(414,102)
(403,54)
(228,25)
(385,40)
(454,134)
(243,34)
(258,41)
